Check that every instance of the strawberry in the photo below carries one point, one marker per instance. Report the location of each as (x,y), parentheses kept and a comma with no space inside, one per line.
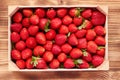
(16,27)
(98,18)
(72,40)
(61,12)
(90,35)
(17,17)
(31,42)
(20,64)
(54,64)
(38,51)
(101,52)
(34,19)
(87,13)
(56,49)
(80,33)
(72,28)
(20,45)
(15,54)
(26,53)
(48,56)
(27,12)
(92,47)
(66,48)
(97,60)
(67,20)
(100,40)
(69,63)
(55,23)
(63,29)
(15,37)
(51,13)
(50,35)
(60,39)
(29,65)
(33,30)
(48,45)
(77,21)
(40,12)
(100,30)
(62,57)
(40,38)
(87,56)
(82,43)
(82,64)
(26,22)
(24,34)
(73,12)
(42,23)
(76,53)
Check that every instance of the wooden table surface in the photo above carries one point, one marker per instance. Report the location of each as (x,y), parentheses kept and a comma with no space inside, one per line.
(114,43)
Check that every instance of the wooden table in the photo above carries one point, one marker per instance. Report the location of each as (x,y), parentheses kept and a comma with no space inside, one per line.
(114,44)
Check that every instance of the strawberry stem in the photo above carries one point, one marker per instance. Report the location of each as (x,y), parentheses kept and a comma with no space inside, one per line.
(78,11)
(68,34)
(34,60)
(78,61)
(47,26)
(101,47)
(82,25)
(84,52)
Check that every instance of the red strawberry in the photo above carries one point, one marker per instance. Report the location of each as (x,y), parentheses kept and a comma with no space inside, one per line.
(92,47)
(15,37)
(42,23)
(16,27)
(98,18)
(17,17)
(66,48)
(51,13)
(97,60)
(82,43)
(33,30)
(48,45)
(87,13)
(100,40)
(99,30)
(34,19)
(50,35)
(82,64)
(90,35)
(40,12)
(27,12)
(77,21)
(55,23)
(87,56)
(54,64)
(48,56)
(15,54)
(40,38)
(63,29)
(73,12)
(26,53)
(87,24)
(62,57)
(56,49)
(24,34)
(29,65)
(72,28)
(26,22)
(80,33)
(61,12)
(67,20)
(76,53)
(101,52)
(20,45)
(21,64)
(72,40)
(60,39)
(31,42)
(38,51)
(69,63)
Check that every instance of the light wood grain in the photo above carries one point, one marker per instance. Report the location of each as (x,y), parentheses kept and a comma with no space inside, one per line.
(114,44)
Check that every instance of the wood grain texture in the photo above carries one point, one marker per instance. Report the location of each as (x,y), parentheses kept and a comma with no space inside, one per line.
(114,43)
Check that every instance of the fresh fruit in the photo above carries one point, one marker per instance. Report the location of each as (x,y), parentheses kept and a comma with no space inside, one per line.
(17,17)
(27,12)
(26,22)
(66,48)
(20,45)
(63,29)
(87,13)
(101,52)
(34,19)
(75,12)
(16,27)
(72,40)
(48,56)
(21,64)
(48,45)
(69,63)
(38,51)
(51,13)
(77,21)
(62,57)
(40,12)
(92,47)
(15,54)
(67,20)
(42,23)
(72,28)
(87,56)
(82,43)
(24,34)
(26,53)
(31,42)
(54,64)
(56,49)
(33,30)
(40,38)
(50,35)
(55,23)
(100,40)
(82,64)
(100,30)
(80,33)
(29,65)
(61,12)
(90,35)
(15,37)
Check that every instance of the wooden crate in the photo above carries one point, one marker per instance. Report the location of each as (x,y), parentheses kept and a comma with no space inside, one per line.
(104,66)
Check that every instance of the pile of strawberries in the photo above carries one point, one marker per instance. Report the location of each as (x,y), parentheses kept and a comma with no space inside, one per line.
(58,38)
